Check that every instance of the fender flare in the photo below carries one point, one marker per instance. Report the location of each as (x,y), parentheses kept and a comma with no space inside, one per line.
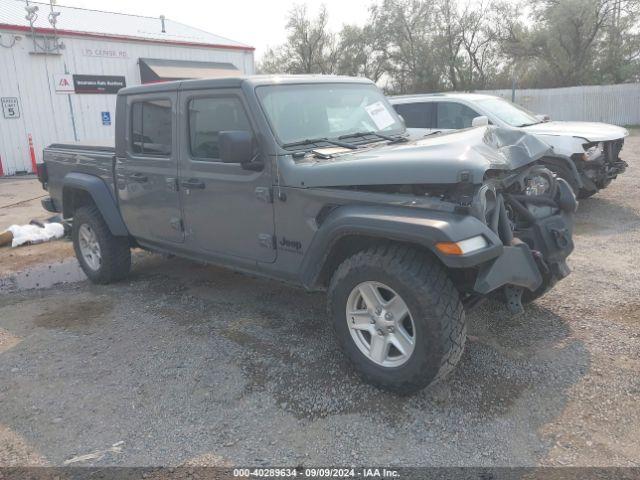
(403,224)
(102,197)
(565,162)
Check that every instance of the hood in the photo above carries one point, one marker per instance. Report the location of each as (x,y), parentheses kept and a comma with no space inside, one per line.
(438,159)
(590,131)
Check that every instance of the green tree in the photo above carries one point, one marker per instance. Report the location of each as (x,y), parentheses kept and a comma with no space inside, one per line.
(362,54)
(310,46)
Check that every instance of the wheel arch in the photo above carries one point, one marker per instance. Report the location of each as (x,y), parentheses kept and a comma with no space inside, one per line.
(349,229)
(567,164)
(80,189)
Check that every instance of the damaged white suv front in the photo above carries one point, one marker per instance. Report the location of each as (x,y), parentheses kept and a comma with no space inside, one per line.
(585,154)
(594,149)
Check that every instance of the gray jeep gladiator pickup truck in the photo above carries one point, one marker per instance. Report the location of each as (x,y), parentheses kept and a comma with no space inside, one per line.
(313,181)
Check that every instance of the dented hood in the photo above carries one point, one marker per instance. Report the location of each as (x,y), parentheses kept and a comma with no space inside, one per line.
(590,131)
(437,159)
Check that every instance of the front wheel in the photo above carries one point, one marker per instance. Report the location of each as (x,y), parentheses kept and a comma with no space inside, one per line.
(397,317)
(104,258)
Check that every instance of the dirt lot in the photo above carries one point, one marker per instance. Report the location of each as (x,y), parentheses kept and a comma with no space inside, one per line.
(185,363)
(19,204)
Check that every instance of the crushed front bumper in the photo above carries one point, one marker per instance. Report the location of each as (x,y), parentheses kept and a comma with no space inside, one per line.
(521,265)
(598,173)
(535,258)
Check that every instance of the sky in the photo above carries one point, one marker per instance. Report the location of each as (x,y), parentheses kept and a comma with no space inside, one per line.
(260,24)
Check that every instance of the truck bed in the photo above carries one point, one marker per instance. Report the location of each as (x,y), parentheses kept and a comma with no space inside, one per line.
(92,158)
(87,146)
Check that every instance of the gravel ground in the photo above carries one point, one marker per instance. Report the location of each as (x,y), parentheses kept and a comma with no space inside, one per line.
(191,364)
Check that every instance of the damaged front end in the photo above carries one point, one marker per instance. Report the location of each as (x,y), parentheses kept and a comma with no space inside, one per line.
(600,164)
(531,212)
(500,222)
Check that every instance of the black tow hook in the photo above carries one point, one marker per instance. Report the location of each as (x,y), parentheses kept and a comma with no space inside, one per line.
(542,265)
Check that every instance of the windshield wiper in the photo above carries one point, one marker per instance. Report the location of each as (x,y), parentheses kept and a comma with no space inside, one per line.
(527,124)
(375,134)
(319,140)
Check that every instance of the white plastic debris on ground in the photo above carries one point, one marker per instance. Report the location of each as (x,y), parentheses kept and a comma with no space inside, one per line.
(34,234)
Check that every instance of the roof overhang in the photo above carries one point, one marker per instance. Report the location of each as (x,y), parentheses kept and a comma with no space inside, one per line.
(73,33)
(153,70)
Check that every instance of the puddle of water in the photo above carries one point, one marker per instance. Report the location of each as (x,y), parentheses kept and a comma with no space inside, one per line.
(43,276)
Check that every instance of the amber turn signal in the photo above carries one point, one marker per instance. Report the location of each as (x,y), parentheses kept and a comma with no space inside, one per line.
(449,248)
(464,246)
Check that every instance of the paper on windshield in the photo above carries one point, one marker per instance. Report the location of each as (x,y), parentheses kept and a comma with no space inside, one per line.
(380,115)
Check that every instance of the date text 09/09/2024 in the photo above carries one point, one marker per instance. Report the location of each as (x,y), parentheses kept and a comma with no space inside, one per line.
(316,472)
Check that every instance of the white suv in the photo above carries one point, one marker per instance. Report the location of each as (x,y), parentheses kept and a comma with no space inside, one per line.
(586,154)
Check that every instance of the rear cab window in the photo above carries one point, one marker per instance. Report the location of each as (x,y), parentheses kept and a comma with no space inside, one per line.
(151,128)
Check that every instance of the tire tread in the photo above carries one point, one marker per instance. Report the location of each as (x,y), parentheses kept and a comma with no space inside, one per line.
(115,251)
(414,267)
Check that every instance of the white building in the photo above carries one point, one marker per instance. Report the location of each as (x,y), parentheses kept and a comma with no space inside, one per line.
(61,67)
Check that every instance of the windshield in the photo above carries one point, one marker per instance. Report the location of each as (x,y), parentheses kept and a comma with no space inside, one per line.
(326,110)
(508,112)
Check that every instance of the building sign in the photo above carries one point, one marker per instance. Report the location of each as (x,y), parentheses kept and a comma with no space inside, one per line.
(105,53)
(106,118)
(64,83)
(105,84)
(10,108)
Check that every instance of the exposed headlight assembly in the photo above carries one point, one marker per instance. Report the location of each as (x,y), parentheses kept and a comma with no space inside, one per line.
(592,151)
(536,185)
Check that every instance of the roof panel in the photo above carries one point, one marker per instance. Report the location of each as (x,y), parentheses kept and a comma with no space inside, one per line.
(72,19)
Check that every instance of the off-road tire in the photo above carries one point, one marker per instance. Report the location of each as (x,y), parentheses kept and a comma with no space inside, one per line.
(582,193)
(566,174)
(434,304)
(115,252)
(528,296)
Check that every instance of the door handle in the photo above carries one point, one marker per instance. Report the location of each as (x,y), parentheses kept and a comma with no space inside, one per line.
(193,183)
(138,177)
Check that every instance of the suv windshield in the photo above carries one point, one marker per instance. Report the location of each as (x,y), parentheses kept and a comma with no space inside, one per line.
(326,110)
(508,112)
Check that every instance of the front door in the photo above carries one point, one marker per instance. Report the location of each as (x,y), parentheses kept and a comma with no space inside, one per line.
(453,115)
(419,117)
(148,170)
(228,210)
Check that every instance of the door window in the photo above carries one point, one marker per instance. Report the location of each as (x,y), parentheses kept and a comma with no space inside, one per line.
(454,116)
(417,115)
(210,116)
(151,128)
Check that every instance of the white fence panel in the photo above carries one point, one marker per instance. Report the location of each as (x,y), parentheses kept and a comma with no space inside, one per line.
(616,104)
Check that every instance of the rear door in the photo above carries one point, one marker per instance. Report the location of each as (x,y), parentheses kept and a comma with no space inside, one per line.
(147,171)
(228,210)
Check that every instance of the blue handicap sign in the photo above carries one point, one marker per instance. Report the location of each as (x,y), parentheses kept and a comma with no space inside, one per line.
(106,118)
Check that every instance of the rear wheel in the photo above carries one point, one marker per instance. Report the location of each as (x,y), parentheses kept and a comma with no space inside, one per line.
(397,316)
(104,258)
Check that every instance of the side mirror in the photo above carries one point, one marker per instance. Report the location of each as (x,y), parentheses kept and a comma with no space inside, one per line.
(481,121)
(236,146)
(543,117)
